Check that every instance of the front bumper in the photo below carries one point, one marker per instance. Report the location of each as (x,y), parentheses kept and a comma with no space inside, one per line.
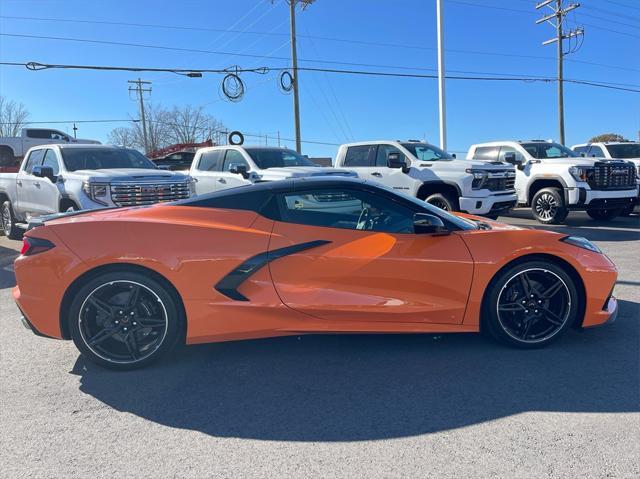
(607,315)
(583,198)
(494,204)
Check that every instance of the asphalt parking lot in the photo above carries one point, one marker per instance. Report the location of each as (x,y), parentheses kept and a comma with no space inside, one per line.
(329,406)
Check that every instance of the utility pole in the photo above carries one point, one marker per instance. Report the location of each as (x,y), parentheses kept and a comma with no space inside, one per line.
(75,129)
(558,13)
(140,90)
(442,107)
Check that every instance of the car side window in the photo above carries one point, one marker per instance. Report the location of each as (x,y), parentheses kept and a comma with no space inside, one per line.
(509,149)
(596,151)
(361,155)
(489,153)
(346,208)
(35,159)
(581,149)
(51,160)
(383,153)
(232,159)
(211,161)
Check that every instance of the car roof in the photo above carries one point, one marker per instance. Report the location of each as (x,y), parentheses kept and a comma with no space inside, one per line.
(72,146)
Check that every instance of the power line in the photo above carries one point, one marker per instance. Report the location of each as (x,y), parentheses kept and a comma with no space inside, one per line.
(323,38)
(530,79)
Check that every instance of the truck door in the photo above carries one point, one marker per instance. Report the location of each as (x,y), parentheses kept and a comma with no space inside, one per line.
(24,205)
(46,195)
(207,171)
(226,178)
(394,178)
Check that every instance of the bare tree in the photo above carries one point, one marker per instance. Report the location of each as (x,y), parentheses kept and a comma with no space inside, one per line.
(187,124)
(123,136)
(13,117)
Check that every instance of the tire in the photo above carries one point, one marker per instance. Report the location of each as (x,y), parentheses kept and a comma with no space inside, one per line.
(627,210)
(9,227)
(122,336)
(605,215)
(7,158)
(443,201)
(517,312)
(548,206)
(68,206)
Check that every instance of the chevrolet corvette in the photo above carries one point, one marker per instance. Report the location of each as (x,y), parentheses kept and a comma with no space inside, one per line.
(301,256)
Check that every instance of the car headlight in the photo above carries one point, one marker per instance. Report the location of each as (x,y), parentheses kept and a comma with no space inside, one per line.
(581,242)
(479,178)
(192,185)
(580,173)
(638,172)
(98,192)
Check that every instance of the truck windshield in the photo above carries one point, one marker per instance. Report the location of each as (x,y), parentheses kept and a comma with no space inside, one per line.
(626,150)
(426,152)
(103,159)
(276,158)
(543,150)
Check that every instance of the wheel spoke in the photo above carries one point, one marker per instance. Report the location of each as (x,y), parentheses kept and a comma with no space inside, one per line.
(101,306)
(133,297)
(150,322)
(526,329)
(525,284)
(132,344)
(552,290)
(101,336)
(552,317)
(513,307)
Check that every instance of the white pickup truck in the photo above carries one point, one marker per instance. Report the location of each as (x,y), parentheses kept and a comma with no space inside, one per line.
(220,167)
(553,179)
(59,178)
(428,173)
(614,150)
(11,149)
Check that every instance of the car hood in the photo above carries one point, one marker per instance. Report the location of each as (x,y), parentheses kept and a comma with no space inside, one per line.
(568,162)
(132,174)
(482,165)
(272,174)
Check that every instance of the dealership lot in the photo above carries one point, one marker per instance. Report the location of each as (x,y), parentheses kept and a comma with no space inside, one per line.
(325,406)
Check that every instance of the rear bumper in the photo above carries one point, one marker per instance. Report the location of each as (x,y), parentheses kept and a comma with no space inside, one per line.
(28,325)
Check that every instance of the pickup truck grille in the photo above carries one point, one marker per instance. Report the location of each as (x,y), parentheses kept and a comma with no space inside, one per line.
(612,176)
(133,194)
(500,184)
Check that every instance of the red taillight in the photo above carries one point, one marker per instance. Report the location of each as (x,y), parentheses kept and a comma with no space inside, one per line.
(31,246)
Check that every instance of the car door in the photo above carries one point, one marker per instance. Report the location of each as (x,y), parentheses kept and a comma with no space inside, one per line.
(228,179)
(365,263)
(394,178)
(25,206)
(45,194)
(207,171)
(360,159)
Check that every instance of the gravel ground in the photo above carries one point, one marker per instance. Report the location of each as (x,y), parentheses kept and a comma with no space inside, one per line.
(335,406)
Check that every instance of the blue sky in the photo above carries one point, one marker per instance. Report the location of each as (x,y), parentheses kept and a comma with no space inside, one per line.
(496,36)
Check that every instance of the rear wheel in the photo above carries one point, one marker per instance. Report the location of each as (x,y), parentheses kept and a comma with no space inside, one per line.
(443,201)
(9,227)
(124,320)
(531,304)
(604,215)
(548,206)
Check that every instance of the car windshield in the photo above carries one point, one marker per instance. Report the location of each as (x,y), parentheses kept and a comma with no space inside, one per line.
(104,159)
(276,158)
(626,150)
(426,152)
(543,150)
(462,223)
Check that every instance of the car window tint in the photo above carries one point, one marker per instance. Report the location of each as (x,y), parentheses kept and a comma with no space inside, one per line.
(383,153)
(359,155)
(35,158)
(346,208)
(509,149)
(211,161)
(486,153)
(596,151)
(51,160)
(232,159)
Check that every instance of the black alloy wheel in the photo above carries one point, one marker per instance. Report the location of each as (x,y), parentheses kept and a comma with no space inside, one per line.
(531,304)
(124,320)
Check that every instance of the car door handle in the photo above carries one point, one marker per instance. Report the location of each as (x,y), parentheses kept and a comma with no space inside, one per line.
(18,182)
(222,180)
(36,184)
(375,173)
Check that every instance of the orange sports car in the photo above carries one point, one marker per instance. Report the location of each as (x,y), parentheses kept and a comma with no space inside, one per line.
(325,255)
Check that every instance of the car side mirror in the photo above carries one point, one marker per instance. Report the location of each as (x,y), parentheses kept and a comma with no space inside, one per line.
(510,157)
(242,170)
(583,154)
(394,160)
(424,223)
(44,172)
(454,156)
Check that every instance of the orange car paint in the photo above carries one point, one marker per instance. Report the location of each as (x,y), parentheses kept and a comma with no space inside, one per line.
(360,282)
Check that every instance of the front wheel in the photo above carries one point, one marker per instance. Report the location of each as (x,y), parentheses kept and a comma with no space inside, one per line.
(9,227)
(548,206)
(124,320)
(530,304)
(443,201)
(604,215)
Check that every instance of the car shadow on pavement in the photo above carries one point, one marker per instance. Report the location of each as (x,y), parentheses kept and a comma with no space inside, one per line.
(367,387)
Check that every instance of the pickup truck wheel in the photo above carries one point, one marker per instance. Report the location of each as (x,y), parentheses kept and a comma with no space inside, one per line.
(627,210)
(7,157)
(9,227)
(604,215)
(548,206)
(442,201)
